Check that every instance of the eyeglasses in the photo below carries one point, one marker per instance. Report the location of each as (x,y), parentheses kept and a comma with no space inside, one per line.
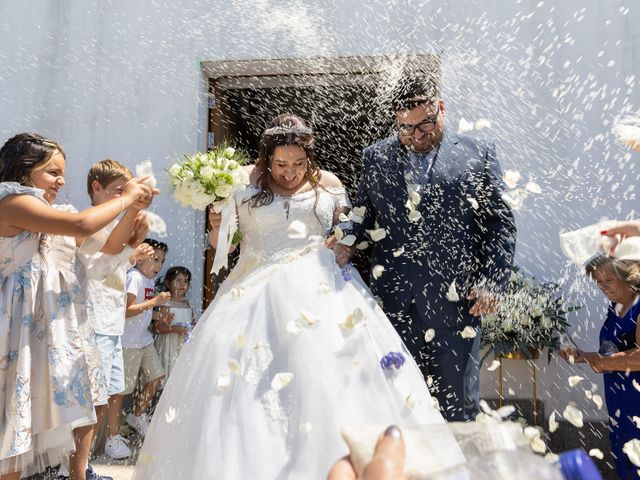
(426,126)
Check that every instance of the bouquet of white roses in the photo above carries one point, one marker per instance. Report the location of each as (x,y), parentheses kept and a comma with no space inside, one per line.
(212,178)
(530,315)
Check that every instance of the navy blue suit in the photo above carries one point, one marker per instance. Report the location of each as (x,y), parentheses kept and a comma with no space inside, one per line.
(466,233)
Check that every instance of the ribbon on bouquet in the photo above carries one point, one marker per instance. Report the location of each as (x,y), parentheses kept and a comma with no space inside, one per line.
(228,226)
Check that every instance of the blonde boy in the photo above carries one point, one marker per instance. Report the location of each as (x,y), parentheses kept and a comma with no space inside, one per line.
(103,261)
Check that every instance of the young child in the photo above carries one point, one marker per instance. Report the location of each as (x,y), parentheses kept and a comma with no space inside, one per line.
(172,335)
(140,355)
(44,377)
(103,277)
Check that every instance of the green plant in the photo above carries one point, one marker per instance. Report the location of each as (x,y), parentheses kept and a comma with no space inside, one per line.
(531,314)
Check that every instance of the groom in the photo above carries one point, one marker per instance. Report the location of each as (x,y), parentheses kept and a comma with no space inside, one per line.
(449,238)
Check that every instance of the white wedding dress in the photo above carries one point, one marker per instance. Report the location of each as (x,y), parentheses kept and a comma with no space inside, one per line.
(286,355)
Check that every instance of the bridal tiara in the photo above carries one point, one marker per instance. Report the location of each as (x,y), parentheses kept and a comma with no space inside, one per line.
(287,129)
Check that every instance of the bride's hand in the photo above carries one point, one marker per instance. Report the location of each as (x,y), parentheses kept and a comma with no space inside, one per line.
(215,219)
(387,462)
(342,252)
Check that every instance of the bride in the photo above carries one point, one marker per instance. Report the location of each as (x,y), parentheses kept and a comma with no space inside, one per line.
(292,349)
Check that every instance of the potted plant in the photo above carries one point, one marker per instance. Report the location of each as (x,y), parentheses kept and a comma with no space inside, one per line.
(531,316)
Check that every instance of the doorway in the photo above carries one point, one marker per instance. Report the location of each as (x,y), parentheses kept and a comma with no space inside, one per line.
(339,98)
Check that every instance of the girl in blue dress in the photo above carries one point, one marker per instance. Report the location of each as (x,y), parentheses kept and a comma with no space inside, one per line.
(619,356)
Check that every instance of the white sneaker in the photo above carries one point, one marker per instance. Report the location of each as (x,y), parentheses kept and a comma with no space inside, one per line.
(141,423)
(116,447)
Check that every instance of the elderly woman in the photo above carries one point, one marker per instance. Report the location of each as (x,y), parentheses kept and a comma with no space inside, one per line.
(619,355)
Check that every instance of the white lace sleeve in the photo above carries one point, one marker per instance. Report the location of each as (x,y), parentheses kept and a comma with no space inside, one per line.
(14,188)
(340,197)
(341,207)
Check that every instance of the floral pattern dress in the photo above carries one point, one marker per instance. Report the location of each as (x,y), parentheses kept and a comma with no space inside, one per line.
(44,378)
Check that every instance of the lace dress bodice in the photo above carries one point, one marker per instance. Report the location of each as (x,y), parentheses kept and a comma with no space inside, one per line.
(287,226)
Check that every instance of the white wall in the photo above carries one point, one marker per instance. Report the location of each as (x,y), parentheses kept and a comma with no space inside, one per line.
(122,79)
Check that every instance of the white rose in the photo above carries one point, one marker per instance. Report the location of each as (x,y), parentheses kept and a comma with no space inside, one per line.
(223,190)
(188,174)
(206,172)
(229,152)
(175,170)
(182,195)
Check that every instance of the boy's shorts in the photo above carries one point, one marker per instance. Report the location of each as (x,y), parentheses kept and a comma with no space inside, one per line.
(112,361)
(144,362)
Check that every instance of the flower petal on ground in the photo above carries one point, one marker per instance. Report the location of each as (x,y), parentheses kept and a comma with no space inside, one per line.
(597,399)
(597,453)
(362,245)
(573,415)
(398,252)
(553,423)
(495,364)
(575,380)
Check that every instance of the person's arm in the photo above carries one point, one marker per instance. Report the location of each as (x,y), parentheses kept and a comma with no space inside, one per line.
(134,309)
(627,360)
(160,327)
(29,213)
(215,219)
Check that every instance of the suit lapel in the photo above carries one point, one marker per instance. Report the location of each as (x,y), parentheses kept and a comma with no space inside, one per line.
(446,159)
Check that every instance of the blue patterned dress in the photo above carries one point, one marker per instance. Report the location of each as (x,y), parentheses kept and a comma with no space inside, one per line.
(623,399)
(44,379)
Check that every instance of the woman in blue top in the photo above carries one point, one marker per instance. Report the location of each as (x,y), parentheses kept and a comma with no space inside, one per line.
(619,356)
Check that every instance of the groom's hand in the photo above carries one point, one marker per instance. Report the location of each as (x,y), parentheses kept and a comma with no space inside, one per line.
(484,304)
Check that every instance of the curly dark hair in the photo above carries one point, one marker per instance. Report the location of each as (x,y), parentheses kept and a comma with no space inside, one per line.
(23,153)
(285,129)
